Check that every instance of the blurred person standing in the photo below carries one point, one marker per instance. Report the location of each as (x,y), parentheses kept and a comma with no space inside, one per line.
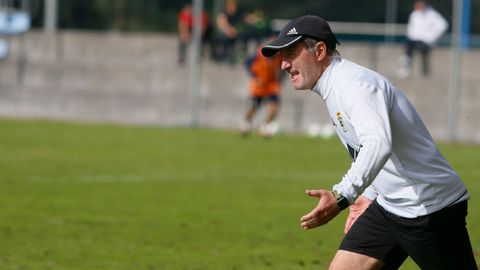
(229,23)
(264,88)
(405,199)
(425,27)
(257,28)
(185,30)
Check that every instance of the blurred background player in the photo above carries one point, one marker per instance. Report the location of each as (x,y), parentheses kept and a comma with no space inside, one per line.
(265,83)
(185,28)
(228,24)
(257,27)
(425,27)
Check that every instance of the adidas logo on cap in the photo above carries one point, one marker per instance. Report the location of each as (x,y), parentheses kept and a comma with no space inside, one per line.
(292,31)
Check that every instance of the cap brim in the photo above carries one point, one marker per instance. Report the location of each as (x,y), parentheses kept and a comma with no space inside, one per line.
(279,43)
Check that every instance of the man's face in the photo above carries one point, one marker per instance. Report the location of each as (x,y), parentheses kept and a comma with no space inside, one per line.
(302,66)
(419,5)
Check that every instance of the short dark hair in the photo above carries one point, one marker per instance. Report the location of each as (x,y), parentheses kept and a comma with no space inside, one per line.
(310,43)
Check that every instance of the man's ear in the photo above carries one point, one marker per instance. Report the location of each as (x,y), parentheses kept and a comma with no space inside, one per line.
(320,50)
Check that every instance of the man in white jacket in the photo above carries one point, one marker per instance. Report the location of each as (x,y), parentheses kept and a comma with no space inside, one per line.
(405,199)
(425,27)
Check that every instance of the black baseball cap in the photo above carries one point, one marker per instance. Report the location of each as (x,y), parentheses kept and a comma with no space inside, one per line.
(306,26)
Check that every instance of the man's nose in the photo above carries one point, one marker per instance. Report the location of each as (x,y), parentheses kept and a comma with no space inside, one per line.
(285,65)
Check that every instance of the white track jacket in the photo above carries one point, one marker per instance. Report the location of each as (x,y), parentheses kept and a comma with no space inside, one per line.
(426,26)
(395,160)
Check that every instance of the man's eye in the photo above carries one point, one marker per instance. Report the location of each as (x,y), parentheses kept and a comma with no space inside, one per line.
(288,53)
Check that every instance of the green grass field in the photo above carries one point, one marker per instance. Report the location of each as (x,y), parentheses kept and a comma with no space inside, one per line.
(85,196)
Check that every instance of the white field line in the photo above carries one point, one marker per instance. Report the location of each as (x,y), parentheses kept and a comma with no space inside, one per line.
(189,176)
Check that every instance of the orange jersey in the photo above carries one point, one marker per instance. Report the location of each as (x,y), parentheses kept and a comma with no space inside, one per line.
(265,75)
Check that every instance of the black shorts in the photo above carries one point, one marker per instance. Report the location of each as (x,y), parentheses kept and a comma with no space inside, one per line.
(256,102)
(436,241)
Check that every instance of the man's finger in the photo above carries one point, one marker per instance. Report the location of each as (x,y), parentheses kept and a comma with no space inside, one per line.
(313,193)
(308,216)
(348,224)
(310,224)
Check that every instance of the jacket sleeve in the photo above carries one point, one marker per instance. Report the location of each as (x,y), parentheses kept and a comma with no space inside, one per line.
(366,106)
(370,192)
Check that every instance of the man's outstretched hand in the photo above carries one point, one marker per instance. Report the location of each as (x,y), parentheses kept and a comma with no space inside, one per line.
(325,210)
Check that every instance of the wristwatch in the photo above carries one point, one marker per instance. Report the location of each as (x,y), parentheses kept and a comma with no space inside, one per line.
(342,202)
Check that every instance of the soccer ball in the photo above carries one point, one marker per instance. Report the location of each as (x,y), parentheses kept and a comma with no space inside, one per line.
(269,129)
(327,131)
(315,130)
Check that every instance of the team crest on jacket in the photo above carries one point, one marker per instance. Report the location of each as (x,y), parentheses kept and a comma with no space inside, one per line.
(340,121)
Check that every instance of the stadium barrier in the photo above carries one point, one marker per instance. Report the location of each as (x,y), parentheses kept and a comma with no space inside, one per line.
(135,79)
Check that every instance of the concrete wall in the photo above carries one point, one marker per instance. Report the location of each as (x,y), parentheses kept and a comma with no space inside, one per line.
(135,79)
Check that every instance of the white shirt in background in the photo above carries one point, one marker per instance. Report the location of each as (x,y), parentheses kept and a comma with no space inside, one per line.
(426,26)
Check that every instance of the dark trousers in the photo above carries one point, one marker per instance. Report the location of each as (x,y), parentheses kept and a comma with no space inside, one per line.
(424,50)
(224,49)
(182,52)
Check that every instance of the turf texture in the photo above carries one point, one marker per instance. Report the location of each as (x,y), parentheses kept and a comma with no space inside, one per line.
(98,196)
